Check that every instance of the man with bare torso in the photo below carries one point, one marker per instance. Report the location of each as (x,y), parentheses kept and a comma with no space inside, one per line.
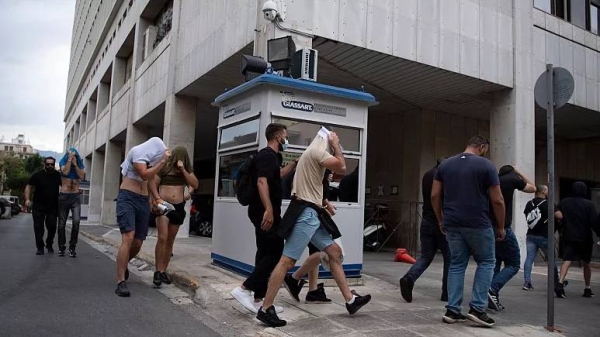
(71,172)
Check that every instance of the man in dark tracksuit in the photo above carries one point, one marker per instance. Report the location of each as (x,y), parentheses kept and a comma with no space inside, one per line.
(432,239)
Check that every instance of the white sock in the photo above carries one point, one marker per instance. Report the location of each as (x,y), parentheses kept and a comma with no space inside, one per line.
(588,287)
(352,300)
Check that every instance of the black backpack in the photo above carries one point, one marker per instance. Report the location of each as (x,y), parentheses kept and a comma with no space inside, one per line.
(245,189)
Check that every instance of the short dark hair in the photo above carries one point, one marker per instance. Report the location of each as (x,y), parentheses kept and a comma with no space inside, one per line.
(51,158)
(506,169)
(440,160)
(477,141)
(273,129)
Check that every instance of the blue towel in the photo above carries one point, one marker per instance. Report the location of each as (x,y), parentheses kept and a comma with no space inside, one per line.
(72,173)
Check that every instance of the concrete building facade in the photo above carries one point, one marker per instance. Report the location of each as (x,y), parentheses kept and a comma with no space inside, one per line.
(443,70)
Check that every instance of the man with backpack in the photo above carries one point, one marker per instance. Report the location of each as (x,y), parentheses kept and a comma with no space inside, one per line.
(536,214)
(259,187)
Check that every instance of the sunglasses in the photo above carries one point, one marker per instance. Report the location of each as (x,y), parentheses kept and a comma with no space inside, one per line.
(49,164)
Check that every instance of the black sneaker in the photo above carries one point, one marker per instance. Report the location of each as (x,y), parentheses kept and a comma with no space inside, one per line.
(293,287)
(444,297)
(61,253)
(359,302)
(317,296)
(126,274)
(493,302)
(165,278)
(122,290)
(72,253)
(406,288)
(560,291)
(50,250)
(39,252)
(157,280)
(480,317)
(587,292)
(451,317)
(270,318)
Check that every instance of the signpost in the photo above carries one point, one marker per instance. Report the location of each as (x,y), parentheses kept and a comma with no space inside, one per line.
(553,89)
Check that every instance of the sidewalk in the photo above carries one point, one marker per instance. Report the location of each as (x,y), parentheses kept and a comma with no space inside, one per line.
(386,315)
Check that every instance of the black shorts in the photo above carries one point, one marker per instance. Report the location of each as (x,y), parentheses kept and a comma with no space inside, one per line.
(177,217)
(578,251)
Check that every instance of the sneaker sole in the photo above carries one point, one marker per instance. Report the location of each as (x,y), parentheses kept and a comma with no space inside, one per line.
(358,308)
(450,320)
(317,302)
(475,319)
(272,325)
(123,295)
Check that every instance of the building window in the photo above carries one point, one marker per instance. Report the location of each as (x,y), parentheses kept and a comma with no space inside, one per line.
(229,166)
(238,135)
(594,17)
(554,7)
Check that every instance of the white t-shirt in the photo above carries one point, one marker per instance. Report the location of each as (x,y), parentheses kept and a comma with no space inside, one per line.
(308,180)
(149,153)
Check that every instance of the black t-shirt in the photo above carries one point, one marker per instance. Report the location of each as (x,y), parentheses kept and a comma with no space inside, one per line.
(508,184)
(541,227)
(466,180)
(47,185)
(579,217)
(426,185)
(267,164)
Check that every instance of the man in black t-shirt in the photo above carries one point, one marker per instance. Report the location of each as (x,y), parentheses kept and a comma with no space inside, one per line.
(507,250)
(579,217)
(45,203)
(432,239)
(264,212)
(536,214)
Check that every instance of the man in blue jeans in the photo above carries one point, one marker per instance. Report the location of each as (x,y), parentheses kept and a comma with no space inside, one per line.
(432,239)
(507,251)
(467,182)
(536,214)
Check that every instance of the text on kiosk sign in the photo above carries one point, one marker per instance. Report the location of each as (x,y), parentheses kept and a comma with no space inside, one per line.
(288,101)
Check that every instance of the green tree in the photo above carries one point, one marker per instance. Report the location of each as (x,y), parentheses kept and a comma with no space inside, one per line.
(16,176)
(33,163)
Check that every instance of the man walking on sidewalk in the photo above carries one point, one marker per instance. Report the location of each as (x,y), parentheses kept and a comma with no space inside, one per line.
(45,203)
(579,217)
(264,212)
(141,164)
(536,214)
(305,221)
(432,240)
(71,171)
(466,183)
(507,251)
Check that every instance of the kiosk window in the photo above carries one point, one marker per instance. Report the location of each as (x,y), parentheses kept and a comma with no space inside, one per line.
(229,165)
(301,133)
(240,134)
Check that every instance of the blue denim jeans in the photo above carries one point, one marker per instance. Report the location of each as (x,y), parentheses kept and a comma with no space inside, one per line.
(432,239)
(463,242)
(507,252)
(533,244)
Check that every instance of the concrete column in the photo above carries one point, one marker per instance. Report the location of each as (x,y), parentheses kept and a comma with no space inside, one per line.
(96,186)
(512,118)
(135,136)
(110,184)
(179,130)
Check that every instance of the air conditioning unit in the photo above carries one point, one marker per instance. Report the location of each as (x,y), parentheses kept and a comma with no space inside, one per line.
(149,38)
(304,64)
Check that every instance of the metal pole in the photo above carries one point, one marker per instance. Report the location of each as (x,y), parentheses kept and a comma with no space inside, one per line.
(550,127)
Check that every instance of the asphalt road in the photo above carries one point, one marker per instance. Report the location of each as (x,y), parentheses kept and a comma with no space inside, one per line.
(61,296)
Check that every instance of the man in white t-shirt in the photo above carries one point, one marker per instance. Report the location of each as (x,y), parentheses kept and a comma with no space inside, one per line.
(307,199)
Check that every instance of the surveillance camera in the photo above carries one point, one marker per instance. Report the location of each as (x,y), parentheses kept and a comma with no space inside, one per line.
(270,10)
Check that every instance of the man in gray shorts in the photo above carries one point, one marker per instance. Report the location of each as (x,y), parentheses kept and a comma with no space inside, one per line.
(307,227)
(141,164)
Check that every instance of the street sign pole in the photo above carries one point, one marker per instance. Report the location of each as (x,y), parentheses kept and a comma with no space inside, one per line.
(550,143)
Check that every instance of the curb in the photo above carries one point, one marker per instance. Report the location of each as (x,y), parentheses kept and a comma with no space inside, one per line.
(181,278)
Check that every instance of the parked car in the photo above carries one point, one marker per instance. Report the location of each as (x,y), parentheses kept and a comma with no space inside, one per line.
(201,215)
(5,205)
(15,208)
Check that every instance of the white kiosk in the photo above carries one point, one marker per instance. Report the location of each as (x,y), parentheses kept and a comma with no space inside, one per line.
(303,106)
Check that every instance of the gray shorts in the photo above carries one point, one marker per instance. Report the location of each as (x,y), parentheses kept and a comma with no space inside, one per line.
(133,213)
(307,229)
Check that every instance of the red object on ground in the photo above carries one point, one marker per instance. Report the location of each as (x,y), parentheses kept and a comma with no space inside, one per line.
(403,256)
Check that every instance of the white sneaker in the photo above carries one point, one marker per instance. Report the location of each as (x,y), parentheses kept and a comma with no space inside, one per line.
(245,298)
(257,306)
